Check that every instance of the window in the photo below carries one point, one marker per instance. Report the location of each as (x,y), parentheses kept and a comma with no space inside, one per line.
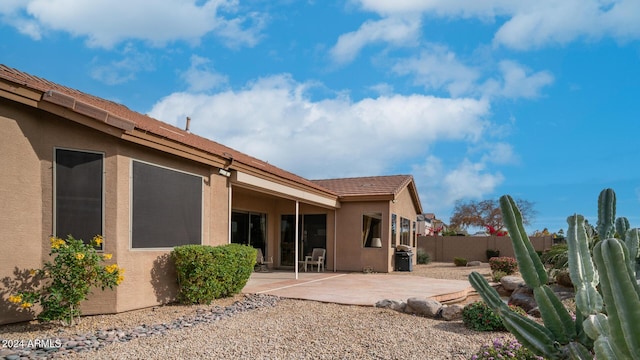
(78,184)
(371,228)
(167,207)
(414,239)
(394,221)
(405,238)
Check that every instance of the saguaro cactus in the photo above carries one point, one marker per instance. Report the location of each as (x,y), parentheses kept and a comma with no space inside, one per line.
(613,335)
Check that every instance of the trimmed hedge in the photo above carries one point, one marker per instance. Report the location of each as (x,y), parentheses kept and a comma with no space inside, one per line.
(206,272)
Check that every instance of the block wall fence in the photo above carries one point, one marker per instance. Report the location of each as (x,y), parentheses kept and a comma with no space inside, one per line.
(472,248)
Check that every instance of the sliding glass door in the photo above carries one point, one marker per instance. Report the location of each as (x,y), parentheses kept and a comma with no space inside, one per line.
(312,233)
(249,229)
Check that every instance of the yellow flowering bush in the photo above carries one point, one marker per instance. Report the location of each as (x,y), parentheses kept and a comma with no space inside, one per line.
(69,278)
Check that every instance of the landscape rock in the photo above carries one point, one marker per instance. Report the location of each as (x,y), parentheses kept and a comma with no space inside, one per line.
(474,263)
(452,312)
(510,282)
(391,304)
(424,307)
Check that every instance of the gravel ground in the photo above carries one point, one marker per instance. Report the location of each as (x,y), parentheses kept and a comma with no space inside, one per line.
(292,329)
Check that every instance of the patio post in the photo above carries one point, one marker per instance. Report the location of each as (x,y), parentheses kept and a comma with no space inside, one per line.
(296,258)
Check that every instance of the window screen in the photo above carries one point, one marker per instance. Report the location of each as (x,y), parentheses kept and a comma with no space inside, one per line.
(167,207)
(78,194)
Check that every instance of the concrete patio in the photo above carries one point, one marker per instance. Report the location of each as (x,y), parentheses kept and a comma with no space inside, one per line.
(354,288)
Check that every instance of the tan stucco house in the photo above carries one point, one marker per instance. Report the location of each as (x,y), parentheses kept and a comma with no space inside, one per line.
(76,164)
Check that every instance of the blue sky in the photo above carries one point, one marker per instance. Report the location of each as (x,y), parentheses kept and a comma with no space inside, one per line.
(476,99)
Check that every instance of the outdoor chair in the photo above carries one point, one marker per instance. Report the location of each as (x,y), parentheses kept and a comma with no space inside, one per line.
(261,263)
(316,258)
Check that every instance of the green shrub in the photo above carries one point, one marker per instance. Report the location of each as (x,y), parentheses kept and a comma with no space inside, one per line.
(491,253)
(479,316)
(206,273)
(556,257)
(68,280)
(497,275)
(504,263)
(460,261)
(423,257)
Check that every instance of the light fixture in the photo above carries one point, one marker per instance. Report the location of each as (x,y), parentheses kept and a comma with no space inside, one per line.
(224,172)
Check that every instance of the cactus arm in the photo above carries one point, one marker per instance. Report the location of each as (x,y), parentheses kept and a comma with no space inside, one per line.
(578,351)
(621,294)
(531,268)
(555,316)
(581,269)
(606,213)
(532,335)
(622,226)
(632,240)
(598,328)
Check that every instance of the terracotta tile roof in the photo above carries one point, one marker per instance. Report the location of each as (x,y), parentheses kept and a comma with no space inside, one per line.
(150,125)
(367,186)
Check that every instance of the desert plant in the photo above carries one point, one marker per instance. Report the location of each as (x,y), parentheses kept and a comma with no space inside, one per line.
(458,261)
(211,272)
(612,335)
(497,275)
(478,316)
(492,253)
(75,270)
(504,263)
(556,257)
(503,349)
(423,257)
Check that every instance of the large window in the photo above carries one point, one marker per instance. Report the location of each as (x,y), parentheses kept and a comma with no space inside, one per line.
(167,207)
(405,235)
(78,183)
(371,229)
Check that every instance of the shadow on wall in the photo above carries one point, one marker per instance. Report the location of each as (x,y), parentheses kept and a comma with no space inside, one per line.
(22,280)
(164,279)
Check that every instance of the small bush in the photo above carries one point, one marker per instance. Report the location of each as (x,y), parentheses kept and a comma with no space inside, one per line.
(491,253)
(497,275)
(502,349)
(460,261)
(504,263)
(423,257)
(479,316)
(68,279)
(206,273)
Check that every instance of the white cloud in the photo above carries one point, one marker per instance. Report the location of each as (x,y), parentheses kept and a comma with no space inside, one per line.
(437,67)
(442,182)
(273,119)
(470,180)
(530,23)
(516,81)
(125,69)
(106,23)
(397,31)
(201,77)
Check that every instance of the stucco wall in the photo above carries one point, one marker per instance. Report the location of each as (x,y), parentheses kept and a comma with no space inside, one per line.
(29,137)
(21,210)
(351,255)
(445,248)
